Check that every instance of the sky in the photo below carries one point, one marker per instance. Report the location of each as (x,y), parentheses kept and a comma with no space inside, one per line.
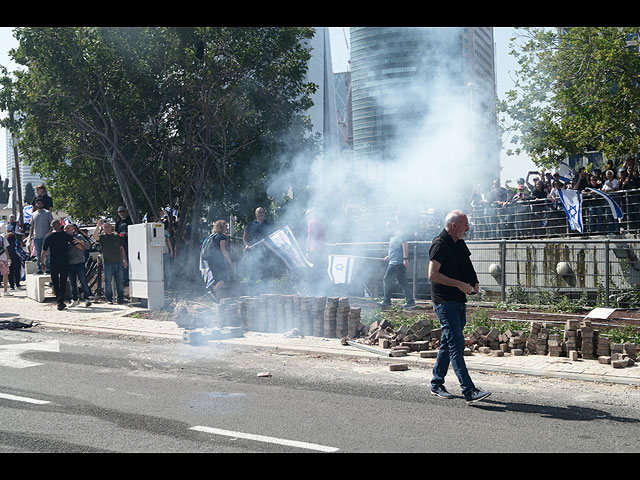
(512,167)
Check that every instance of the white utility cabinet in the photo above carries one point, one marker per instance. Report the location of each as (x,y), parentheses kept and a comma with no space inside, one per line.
(146,274)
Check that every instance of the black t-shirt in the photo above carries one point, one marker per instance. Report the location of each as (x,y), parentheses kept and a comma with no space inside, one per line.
(58,243)
(256,231)
(455,261)
(123,225)
(213,253)
(46,199)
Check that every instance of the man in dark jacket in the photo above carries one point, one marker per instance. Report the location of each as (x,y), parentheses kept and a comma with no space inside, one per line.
(58,244)
(452,278)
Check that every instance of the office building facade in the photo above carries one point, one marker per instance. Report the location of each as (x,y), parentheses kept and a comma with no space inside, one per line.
(406,81)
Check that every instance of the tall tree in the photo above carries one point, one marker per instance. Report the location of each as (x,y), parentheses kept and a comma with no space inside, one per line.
(157,115)
(576,90)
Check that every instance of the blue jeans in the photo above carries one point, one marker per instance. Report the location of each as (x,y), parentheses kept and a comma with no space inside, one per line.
(114,270)
(38,242)
(77,272)
(397,272)
(452,320)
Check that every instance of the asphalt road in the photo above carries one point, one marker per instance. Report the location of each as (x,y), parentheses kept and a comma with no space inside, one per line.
(69,392)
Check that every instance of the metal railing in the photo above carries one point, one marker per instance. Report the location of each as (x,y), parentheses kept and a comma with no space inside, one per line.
(603,266)
(546,218)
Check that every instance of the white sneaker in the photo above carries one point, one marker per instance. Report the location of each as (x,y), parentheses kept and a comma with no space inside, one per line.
(7,294)
(74,303)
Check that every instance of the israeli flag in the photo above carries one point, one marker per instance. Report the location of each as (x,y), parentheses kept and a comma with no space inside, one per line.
(28,211)
(572,204)
(615,209)
(340,268)
(284,244)
(207,274)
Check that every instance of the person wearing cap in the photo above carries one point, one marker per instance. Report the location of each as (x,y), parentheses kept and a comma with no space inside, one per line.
(39,228)
(122,226)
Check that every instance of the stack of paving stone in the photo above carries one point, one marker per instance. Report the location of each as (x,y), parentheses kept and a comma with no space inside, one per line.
(603,350)
(243,308)
(296,313)
(531,344)
(228,313)
(589,340)
(317,311)
(542,341)
(342,317)
(253,314)
(556,345)
(330,311)
(571,337)
(287,301)
(306,314)
(268,312)
(280,323)
(354,326)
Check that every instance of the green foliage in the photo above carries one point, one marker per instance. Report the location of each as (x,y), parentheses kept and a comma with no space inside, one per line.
(575,91)
(622,334)
(517,294)
(480,318)
(193,117)
(397,317)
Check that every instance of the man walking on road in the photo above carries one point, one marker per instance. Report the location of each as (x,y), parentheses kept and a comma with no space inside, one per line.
(452,278)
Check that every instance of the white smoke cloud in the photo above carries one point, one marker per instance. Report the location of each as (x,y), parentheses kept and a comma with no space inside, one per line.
(429,164)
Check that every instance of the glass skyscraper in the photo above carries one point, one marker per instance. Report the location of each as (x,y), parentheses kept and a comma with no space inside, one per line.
(424,96)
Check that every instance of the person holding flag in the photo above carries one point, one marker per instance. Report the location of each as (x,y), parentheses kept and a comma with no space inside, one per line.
(256,259)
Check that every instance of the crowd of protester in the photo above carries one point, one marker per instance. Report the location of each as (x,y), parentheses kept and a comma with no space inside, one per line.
(533,207)
(62,249)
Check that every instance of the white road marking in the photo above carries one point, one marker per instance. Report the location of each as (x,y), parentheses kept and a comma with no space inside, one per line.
(23,399)
(261,438)
(10,354)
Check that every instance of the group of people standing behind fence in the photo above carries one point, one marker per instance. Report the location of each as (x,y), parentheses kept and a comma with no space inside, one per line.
(534,208)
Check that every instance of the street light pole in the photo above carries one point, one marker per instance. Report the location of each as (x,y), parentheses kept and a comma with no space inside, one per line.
(18,185)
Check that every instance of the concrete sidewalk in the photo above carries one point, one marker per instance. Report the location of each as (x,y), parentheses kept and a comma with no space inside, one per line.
(118,319)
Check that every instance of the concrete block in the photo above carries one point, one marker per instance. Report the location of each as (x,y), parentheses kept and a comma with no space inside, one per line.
(36,286)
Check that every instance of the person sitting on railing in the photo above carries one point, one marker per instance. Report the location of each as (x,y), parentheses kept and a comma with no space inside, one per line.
(595,206)
(520,210)
(539,196)
(497,198)
(610,185)
(557,220)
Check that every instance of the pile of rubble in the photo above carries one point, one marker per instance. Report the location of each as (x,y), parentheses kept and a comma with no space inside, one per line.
(579,340)
(419,337)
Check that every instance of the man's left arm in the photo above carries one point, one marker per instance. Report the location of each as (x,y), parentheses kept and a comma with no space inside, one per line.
(405,254)
(124,256)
